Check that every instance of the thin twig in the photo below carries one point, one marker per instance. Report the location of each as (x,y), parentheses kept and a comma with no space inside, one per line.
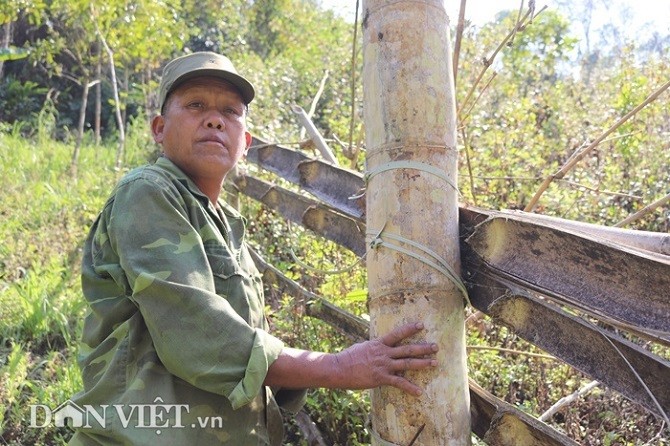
(657,436)
(518,20)
(644,211)
(464,117)
(600,191)
(489,60)
(466,148)
(568,400)
(510,178)
(582,153)
(569,183)
(513,352)
(353,81)
(459,38)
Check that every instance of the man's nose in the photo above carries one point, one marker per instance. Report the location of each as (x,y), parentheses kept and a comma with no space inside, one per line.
(214,120)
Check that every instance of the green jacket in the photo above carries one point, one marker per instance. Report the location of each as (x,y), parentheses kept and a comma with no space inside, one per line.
(175,346)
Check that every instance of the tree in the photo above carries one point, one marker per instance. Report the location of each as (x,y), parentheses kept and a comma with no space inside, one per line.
(10,11)
(69,52)
(411,196)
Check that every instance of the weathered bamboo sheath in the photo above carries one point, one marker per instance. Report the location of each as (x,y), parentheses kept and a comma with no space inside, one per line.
(410,116)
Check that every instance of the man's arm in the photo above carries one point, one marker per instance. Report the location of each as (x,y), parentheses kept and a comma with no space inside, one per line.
(362,366)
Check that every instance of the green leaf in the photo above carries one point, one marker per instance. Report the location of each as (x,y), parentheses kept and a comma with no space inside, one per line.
(359,295)
(12,53)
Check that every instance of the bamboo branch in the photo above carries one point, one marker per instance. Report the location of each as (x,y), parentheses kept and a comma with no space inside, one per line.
(315,100)
(459,38)
(581,153)
(568,400)
(466,148)
(488,61)
(315,306)
(353,81)
(644,211)
(314,134)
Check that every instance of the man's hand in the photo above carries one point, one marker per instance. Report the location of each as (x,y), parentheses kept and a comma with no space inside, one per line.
(365,365)
(381,361)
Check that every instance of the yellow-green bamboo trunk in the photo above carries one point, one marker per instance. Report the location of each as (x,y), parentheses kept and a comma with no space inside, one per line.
(410,121)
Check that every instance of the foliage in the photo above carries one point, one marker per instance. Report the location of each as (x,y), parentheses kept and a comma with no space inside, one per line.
(275,43)
(11,10)
(45,215)
(12,53)
(535,115)
(20,99)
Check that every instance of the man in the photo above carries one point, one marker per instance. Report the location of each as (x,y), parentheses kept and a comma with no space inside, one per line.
(175,347)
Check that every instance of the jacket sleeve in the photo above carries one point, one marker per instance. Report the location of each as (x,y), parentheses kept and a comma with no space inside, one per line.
(197,334)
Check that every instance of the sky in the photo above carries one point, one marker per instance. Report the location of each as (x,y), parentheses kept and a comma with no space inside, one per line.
(647,15)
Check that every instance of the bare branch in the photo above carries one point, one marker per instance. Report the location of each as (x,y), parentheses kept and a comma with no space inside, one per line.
(315,100)
(568,400)
(644,211)
(580,154)
(488,61)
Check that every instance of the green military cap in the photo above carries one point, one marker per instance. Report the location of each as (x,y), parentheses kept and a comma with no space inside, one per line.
(203,63)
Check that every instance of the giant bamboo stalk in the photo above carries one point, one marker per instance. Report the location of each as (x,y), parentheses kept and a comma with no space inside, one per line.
(412,214)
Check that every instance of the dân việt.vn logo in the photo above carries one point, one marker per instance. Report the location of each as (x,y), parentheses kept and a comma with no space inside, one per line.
(151,416)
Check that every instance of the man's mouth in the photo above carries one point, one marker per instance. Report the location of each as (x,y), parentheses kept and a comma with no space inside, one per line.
(213,139)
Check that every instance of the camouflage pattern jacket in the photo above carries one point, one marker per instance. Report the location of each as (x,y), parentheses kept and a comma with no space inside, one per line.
(175,347)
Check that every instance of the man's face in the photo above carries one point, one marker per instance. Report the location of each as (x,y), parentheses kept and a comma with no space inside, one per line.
(202,128)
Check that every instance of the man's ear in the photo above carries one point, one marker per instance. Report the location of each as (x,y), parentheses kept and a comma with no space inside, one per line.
(247,136)
(157,127)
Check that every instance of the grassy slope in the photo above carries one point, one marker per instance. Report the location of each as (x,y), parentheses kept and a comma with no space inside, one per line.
(46,212)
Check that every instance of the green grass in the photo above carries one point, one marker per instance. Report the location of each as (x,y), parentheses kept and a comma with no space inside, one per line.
(46,211)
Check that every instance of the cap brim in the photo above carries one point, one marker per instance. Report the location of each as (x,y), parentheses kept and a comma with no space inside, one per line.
(244,87)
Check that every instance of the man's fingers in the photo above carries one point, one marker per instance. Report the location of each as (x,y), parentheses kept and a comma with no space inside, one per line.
(413,350)
(407,386)
(400,333)
(402,365)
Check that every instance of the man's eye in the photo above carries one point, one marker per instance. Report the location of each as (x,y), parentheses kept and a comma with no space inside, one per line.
(195,104)
(232,112)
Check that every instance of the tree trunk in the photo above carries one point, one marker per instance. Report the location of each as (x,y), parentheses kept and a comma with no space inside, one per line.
(125,88)
(6,31)
(412,214)
(98,96)
(80,127)
(117,103)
